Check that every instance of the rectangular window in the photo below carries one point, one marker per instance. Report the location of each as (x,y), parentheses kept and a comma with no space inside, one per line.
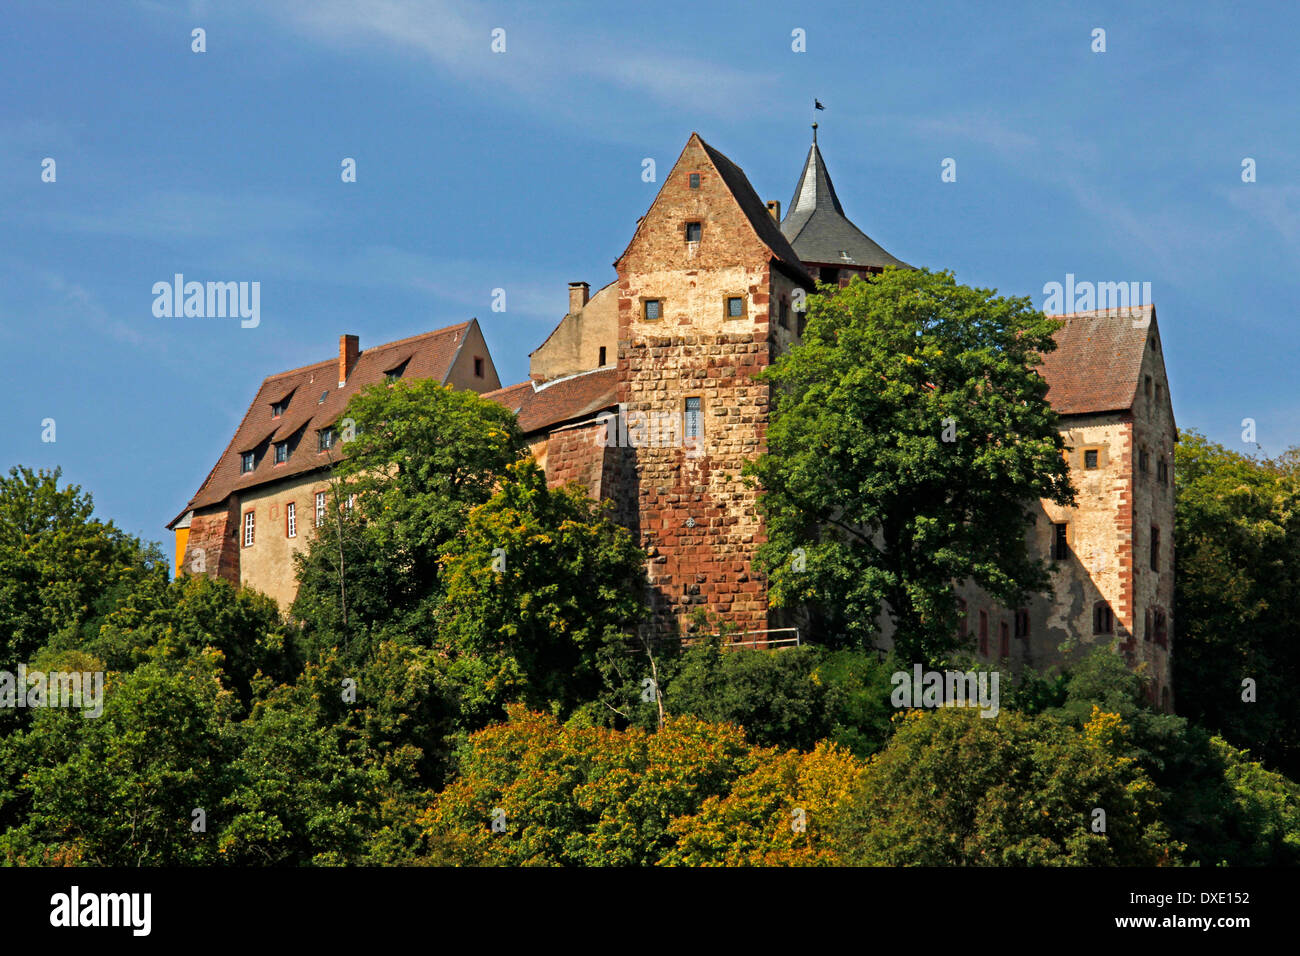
(601,363)
(1155,548)
(246,462)
(1022,622)
(320,508)
(1162,471)
(1090,459)
(350,502)
(1103,621)
(281,452)
(1147,386)
(695,180)
(248,529)
(783,313)
(291,519)
(1144,460)
(692,417)
(1004,640)
(693,230)
(984,632)
(277,409)
(735,307)
(325,439)
(478,367)
(653,309)
(1060,543)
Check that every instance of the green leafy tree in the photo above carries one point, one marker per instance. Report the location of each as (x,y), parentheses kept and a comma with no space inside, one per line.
(866,501)
(1237,597)
(423,455)
(541,589)
(955,788)
(60,567)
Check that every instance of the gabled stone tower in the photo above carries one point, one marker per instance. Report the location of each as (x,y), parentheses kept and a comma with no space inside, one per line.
(705,290)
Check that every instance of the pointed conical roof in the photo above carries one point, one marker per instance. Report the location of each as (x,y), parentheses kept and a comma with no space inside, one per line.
(817,228)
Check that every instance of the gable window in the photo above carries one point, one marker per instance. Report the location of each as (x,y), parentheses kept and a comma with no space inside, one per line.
(1022,622)
(247,461)
(654,309)
(984,632)
(277,408)
(291,520)
(281,452)
(601,363)
(1155,548)
(1090,459)
(1060,542)
(478,367)
(248,529)
(692,417)
(693,230)
(320,508)
(735,307)
(1103,621)
(695,180)
(325,439)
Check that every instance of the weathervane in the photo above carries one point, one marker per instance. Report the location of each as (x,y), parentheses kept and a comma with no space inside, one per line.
(817,105)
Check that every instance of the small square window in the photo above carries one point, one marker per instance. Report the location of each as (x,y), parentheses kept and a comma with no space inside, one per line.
(1090,459)
(281,452)
(735,307)
(653,309)
(693,230)
(478,367)
(247,461)
(695,180)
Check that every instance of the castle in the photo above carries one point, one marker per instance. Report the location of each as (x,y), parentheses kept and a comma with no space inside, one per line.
(645,394)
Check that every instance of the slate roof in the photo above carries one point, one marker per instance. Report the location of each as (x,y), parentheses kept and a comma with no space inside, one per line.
(559,400)
(316,401)
(817,228)
(1097,365)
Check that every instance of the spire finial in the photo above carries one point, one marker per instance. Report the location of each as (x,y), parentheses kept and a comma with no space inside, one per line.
(814,134)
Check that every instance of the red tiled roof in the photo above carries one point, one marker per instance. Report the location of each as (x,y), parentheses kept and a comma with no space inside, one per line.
(1098,360)
(316,401)
(560,400)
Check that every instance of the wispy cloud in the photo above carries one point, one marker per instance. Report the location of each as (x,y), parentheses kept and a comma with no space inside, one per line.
(168,215)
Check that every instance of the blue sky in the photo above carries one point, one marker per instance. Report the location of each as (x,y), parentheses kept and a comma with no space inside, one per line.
(522,170)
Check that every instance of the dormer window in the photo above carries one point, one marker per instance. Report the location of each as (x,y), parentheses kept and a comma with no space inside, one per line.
(247,462)
(393,374)
(281,452)
(693,230)
(325,439)
(277,408)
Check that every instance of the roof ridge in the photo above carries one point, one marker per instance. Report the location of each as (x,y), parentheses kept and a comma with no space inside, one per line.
(361,352)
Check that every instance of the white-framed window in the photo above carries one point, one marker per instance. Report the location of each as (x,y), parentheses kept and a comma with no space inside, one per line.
(291,519)
(692,416)
(320,508)
(352,499)
(248,529)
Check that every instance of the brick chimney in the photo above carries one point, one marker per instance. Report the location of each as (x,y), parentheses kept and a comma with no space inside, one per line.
(347,357)
(774,207)
(578,293)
